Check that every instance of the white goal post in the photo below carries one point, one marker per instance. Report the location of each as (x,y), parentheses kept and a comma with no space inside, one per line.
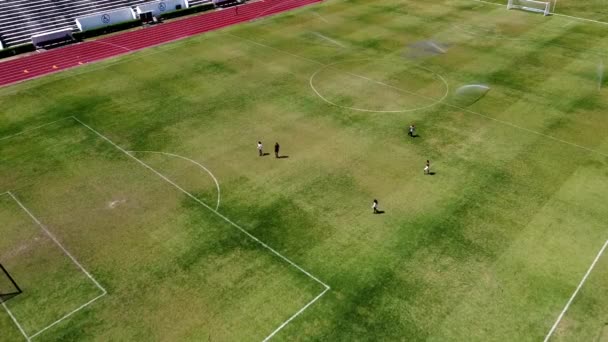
(543,7)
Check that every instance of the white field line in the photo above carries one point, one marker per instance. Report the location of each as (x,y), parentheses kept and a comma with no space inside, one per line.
(142,163)
(219,215)
(32,129)
(68,315)
(320,16)
(217,183)
(50,235)
(103,290)
(552,13)
(578,288)
(16,322)
(296,314)
(335,42)
(443,103)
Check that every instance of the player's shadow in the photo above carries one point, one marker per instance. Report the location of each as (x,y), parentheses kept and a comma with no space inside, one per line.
(283,157)
(432,173)
(379,212)
(265,154)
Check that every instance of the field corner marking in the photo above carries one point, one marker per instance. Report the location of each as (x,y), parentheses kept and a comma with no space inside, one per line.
(578,288)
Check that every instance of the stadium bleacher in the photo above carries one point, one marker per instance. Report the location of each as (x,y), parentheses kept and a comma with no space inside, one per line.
(21,19)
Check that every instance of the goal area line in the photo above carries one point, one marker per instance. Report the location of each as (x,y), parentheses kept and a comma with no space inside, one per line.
(185,192)
(41,226)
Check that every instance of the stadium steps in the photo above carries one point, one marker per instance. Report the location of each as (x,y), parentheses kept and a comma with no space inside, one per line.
(20,19)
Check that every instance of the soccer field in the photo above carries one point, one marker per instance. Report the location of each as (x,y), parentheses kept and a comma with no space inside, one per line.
(134,205)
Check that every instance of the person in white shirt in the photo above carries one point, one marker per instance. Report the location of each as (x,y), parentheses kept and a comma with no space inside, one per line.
(412,131)
(375,206)
(427,168)
(260,148)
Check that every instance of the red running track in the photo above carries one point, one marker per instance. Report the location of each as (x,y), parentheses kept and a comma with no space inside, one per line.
(55,60)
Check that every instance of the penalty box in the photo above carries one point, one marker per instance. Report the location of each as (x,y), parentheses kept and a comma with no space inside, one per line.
(117,212)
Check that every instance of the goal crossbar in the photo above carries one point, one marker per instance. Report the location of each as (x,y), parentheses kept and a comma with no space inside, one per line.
(543,7)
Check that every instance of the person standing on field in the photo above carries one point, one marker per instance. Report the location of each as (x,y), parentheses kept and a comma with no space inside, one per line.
(276,150)
(427,168)
(375,206)
(260,147)
(412,131)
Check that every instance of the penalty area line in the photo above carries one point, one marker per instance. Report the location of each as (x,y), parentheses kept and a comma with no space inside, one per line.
(296,315)
(263,244)
(578,288)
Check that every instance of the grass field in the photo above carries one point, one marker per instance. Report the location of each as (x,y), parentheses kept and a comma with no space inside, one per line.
(134,205)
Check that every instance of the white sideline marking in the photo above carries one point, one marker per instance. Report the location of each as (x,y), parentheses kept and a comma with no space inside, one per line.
(32,129)
(50,235)
(222,217)
(335,42)
(578,288)
(295,315)
(217,183)
(16,322)
(448,104)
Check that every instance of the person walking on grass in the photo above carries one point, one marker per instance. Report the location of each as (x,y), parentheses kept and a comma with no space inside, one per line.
(412,131)
(427,168)
(260,147)
(276,150)
(375,206)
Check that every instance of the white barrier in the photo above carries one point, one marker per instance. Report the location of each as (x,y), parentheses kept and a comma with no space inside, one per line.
(1,47)
(102,19)
(57,35)
(159,7)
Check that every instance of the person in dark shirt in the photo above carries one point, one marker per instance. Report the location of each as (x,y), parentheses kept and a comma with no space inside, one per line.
(276,150)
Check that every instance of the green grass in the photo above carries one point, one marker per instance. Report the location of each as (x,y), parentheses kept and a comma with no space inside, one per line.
(490,248)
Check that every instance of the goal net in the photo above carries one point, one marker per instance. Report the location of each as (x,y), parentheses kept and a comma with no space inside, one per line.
(8,286)
(531,5)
